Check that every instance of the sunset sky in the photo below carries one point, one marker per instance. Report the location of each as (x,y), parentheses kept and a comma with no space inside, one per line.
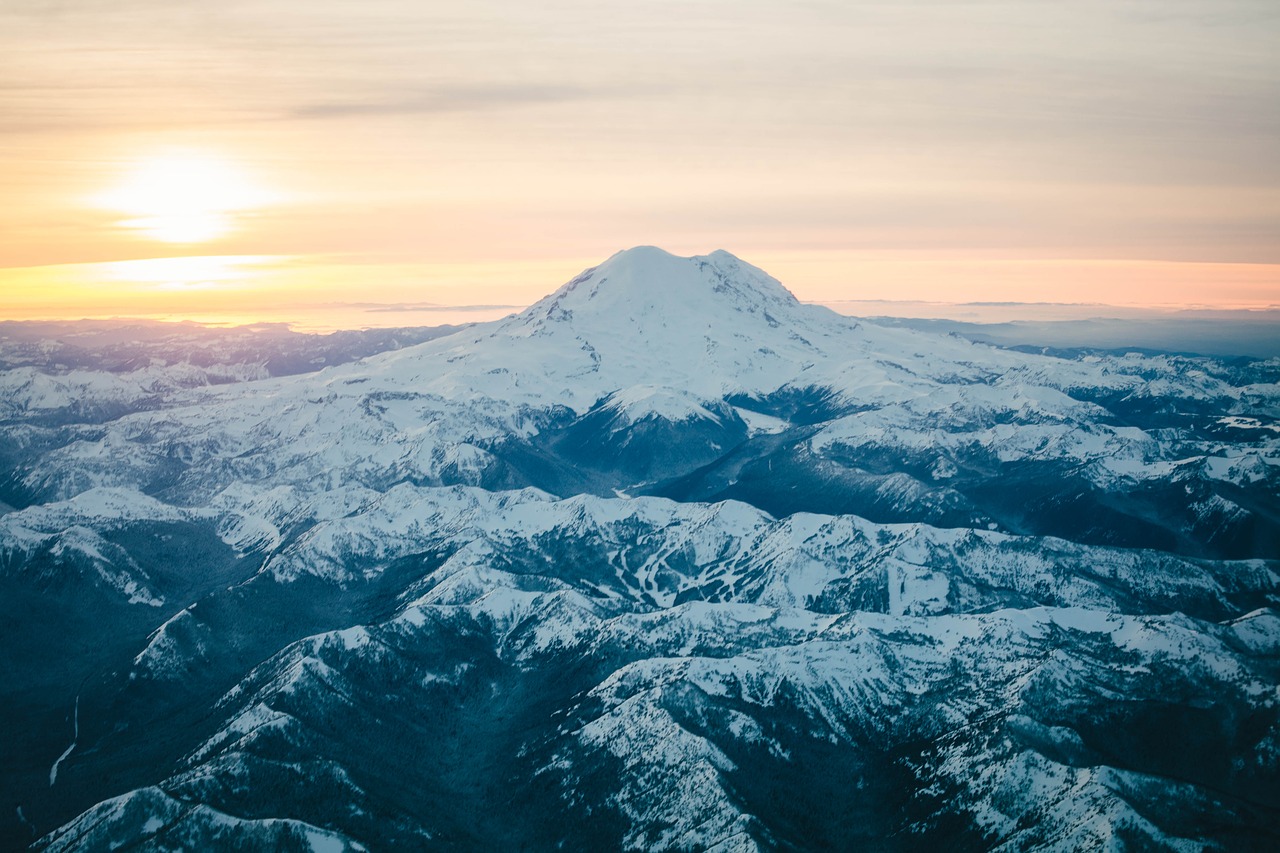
(353,163)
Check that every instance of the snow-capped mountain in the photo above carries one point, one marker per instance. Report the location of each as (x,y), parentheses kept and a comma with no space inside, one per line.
(586,389)
(668,560)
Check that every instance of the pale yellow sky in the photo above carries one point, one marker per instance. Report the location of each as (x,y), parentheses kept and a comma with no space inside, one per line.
(304,156)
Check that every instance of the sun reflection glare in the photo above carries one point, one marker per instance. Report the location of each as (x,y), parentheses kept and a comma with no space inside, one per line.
(191,273)
(184,197)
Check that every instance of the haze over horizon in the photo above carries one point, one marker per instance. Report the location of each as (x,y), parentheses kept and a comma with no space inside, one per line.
(289,161)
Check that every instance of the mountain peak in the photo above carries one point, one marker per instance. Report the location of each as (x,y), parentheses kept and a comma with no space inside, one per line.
(647,281)
(703,324)
(707,325)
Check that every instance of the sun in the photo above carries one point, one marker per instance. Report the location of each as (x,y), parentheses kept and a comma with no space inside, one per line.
(186,197)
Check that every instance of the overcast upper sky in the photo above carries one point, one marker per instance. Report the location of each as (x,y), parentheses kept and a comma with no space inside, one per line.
(1124,152)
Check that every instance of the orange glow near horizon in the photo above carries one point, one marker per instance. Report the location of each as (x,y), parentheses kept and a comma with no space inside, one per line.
(302,155)
(319,294)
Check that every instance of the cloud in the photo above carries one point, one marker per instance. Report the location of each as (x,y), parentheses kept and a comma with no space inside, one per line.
(452,99)
(434,306)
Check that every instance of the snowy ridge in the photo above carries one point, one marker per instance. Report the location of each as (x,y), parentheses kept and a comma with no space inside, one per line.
(704,677)
(654,552)
(72,533)
(199,825)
